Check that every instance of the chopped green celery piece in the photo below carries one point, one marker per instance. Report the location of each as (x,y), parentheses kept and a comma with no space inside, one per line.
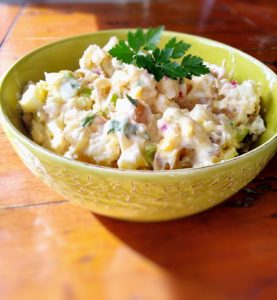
(114,99)
(104,113)
(69,74)
(86,92)
(149,152)
(230,154)
(241,134)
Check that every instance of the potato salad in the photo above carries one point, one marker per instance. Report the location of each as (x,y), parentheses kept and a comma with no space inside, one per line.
(116,114)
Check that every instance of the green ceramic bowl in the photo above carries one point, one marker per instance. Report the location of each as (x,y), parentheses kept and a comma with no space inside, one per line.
(137,195)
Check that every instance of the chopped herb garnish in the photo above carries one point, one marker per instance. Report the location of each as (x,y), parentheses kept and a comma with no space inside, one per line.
(132,100)
(130,129)
(177,48)
(114,126)
(146,136)
(126,127)
(146,40)
(122,52)
(159,62)
(74,83)
(88,120)
(193,66)
(149,152)
(114,99)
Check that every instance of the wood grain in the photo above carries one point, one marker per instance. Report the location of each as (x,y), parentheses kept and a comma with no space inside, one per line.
(71,254)
(9,14)
(41,23)
(50,249)
(28,189)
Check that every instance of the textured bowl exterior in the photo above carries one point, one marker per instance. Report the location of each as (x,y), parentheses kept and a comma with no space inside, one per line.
(139,195)
(143,196)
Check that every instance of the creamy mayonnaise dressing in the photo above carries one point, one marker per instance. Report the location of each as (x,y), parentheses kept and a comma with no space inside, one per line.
(87,115)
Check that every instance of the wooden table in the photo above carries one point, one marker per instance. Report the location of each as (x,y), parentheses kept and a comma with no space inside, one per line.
(50,249)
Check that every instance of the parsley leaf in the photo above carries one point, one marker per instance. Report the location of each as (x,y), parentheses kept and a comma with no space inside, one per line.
(153,36)
(162,55)
(147,40)
(142,51)
(132,100)
(147,62)
(193,65)
(173,70)
(88,120)
(178,48)
(137,39)
(122,52)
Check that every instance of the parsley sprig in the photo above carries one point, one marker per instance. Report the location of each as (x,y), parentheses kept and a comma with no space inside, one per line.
(141,50)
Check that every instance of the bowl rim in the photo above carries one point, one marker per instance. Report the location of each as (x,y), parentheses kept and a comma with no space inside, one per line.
(93,167)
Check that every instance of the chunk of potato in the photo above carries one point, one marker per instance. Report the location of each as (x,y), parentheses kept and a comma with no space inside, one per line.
(33,99)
